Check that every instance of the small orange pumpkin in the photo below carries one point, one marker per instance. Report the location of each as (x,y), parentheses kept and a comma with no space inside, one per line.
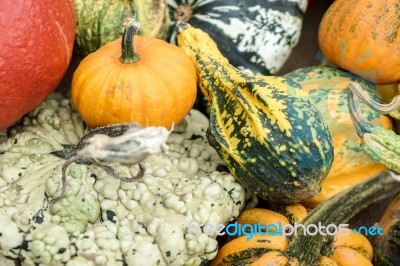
(363,37)
(153,83)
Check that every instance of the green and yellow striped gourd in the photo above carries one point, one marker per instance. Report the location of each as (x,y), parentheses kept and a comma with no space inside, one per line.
(270,136)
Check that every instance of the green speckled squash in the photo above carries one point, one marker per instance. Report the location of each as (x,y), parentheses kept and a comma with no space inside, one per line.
(100,22)
(271,137)
(327,89)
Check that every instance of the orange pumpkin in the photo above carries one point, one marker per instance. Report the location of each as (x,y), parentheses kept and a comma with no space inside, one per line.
(150,82)
(363,37)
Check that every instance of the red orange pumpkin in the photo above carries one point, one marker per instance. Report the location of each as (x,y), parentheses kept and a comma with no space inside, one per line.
(36,42)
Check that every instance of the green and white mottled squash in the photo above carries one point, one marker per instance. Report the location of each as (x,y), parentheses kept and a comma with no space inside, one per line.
(270,136)
(100,22)
(255,35)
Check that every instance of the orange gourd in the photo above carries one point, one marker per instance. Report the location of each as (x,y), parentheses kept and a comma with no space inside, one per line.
(145,80)
(363,37)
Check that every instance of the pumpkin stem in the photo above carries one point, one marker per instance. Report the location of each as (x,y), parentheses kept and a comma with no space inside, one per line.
(382,108)
(128,54)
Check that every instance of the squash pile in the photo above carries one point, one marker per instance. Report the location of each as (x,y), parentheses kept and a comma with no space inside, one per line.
(121,169)
(339,248)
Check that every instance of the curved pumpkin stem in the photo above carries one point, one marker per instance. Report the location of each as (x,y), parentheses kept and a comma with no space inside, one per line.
(382,108)
(381,145)
(128,54)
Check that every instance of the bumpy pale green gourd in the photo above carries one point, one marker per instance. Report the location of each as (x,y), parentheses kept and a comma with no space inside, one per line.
(266,130)
(101,220)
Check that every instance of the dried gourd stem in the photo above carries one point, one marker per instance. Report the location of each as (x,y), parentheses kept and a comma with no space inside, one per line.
(361,125)
(381,145)
(183,13)
(113,130)
(126,143)
(107,168)
(64,178)
(355,109)
(382,108)
(115,175)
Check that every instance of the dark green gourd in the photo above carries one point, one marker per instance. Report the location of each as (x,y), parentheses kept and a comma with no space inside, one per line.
(272,139)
